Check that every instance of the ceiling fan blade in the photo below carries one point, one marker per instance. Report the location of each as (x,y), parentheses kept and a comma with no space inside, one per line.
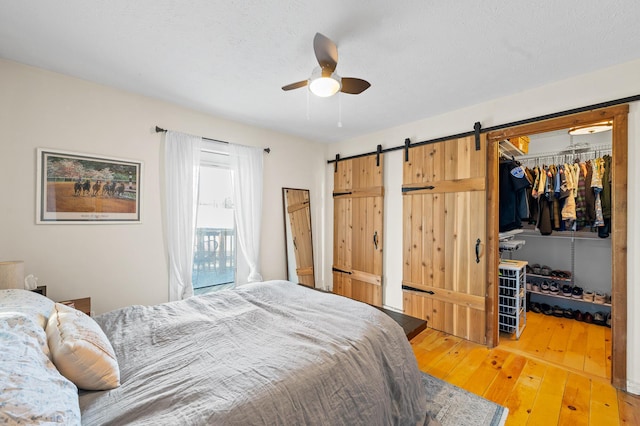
(326,52)
(295,85)
(354,86)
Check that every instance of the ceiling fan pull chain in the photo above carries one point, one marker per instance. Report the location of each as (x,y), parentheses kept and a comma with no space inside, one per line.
(339,110)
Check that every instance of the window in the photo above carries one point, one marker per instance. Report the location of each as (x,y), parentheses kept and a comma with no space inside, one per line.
(214,256)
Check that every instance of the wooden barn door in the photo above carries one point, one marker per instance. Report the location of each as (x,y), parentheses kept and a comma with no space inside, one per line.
(358,198)
(300,219)
(444,241)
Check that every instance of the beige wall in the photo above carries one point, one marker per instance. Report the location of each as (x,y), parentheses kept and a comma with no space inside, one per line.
(609,84)
(119,265)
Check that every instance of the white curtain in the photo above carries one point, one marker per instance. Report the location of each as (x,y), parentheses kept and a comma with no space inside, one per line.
(182,171)
(246,168)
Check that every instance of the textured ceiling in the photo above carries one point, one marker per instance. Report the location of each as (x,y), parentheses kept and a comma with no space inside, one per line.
(230,58)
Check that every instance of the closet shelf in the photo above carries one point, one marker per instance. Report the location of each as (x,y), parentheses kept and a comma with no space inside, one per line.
(508,149)
(549,277)
(572,299)
(578,235)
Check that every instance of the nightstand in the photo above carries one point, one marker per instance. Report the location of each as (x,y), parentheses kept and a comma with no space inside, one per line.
(41,289)
(82,304)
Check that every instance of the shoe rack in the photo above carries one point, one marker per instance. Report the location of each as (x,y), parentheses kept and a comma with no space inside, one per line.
(534,279)
(512,312)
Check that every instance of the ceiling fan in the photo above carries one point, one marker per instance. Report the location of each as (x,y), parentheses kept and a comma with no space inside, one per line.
(324,81)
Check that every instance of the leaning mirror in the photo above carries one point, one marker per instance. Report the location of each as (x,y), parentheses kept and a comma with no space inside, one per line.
(297,224)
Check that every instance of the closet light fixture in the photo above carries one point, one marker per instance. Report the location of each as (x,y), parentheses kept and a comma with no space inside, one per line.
(591,128)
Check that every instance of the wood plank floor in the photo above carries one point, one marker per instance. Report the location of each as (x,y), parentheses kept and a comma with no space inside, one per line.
(575,345)
(536,391)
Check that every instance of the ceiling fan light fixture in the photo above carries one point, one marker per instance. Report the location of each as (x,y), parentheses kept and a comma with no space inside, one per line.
(591,128)
(323,86)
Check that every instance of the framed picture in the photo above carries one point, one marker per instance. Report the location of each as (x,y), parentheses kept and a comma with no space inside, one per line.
(85,188)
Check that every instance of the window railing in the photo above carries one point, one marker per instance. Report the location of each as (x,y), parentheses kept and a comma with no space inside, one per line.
(214,259)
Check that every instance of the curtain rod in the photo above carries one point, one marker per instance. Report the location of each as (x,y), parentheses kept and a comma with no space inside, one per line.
(161,130)
(407,145)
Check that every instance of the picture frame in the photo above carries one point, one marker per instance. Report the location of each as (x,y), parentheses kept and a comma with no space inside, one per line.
(78,188)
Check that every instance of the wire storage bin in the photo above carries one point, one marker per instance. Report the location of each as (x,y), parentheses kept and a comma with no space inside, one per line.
(512,313)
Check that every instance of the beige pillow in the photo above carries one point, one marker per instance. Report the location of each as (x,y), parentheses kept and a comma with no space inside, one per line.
(80,349)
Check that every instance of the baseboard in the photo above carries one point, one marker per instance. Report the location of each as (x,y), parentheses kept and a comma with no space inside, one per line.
(391,308)
(633,388)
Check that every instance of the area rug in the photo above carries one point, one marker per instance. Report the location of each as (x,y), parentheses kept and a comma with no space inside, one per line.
(452,406)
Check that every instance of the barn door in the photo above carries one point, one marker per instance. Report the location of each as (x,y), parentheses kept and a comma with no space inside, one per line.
(357,240)
(444,241)
(300,219)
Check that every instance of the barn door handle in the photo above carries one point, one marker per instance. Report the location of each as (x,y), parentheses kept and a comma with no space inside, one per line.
(478,251)
(375,239)
(295,247)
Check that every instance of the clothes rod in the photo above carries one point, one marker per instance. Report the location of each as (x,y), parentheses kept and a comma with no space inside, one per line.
(498,127)
(568,152)
(161,130)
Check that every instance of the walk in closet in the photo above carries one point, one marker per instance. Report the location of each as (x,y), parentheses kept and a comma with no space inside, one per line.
(555,224)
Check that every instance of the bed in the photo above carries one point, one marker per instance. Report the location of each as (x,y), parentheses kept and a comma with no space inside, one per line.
(264,353)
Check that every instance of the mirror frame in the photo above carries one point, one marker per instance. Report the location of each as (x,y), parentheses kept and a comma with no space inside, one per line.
(288,244)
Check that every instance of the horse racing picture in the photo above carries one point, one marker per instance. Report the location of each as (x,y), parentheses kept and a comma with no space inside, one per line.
(83,188)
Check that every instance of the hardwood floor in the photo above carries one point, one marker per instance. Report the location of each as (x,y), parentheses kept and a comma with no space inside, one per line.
(534,389)
(575,345)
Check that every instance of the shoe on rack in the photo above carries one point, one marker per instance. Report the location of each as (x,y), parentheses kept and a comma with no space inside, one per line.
(560,274)
(567,313)
(600,298)
(577,315)
(528,286)
(535,268)
(588,295)
(535,307)
(576,293)
(588,317)
(545,270)
(566,290)
(546,309)
(598,318)
(607,320)
(553,288)
(558,311)
(535,287)
(544,287)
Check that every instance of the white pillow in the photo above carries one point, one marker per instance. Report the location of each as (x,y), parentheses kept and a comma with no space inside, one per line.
(28,302)
(32,391)
(80,349)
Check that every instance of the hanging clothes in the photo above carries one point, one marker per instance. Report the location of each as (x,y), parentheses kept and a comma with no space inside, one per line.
(545,203)
(590,196)
(532,195)
(596,184)
(605,196)
(566,192)
(581,201)
(513,204)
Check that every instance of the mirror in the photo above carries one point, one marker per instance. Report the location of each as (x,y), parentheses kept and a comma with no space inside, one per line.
(298,241)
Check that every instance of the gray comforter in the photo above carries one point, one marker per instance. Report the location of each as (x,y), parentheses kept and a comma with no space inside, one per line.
(271,353)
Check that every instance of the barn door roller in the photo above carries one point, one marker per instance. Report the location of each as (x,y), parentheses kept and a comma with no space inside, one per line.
(476,128)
